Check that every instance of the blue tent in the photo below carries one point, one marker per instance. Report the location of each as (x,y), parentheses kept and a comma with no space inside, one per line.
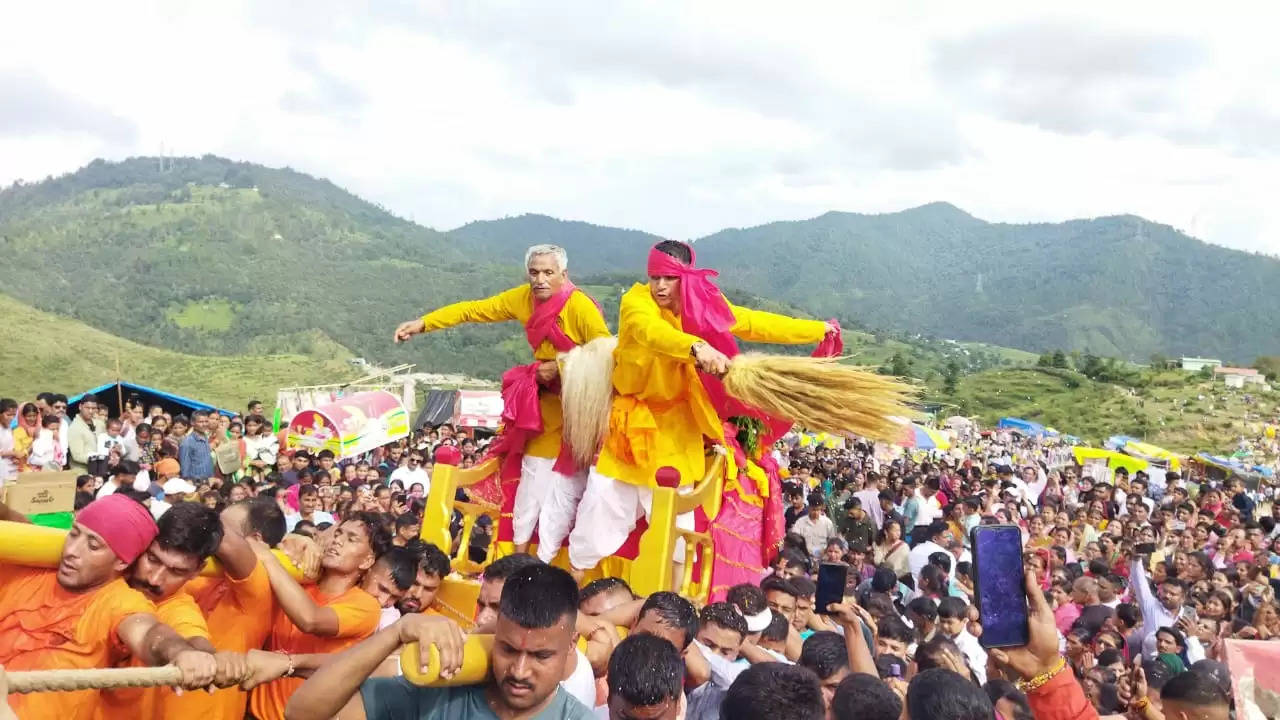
(1026,427)
(108,395)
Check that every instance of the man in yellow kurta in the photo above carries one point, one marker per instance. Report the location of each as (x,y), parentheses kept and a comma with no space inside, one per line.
(557,317)
(674,337)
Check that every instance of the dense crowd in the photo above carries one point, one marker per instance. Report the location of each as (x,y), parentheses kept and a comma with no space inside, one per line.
(1134,585)
(1141,585)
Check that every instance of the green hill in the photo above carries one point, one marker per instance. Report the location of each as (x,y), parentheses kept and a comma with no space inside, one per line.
(40,351)
(1179,411)
(1117,286)
(216,257)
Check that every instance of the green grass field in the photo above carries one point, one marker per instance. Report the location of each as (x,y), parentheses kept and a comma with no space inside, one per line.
(40,351)
(1175,410)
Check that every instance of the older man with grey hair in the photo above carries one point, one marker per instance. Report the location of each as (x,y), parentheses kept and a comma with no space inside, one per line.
(556,317)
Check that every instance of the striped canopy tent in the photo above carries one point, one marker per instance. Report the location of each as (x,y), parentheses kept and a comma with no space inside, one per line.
(923,438)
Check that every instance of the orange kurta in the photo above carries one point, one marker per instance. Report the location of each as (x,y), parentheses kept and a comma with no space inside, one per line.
(181,613)
(579,318)
(661,412)
(239,615)
(358,615)
(43,626)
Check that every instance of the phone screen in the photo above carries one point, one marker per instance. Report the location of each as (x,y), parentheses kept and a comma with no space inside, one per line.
(1000,585)
(831,583)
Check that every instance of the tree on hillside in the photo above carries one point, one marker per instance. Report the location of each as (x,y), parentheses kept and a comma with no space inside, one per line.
(1268,365)
(899,366)
(1046,360)
(1059,359)
(951,377)
(1092,367)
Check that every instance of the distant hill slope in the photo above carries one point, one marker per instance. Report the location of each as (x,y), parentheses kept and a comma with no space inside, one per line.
(210,256)
(42,352)
(1119,286)
(218,257)
(1178,411)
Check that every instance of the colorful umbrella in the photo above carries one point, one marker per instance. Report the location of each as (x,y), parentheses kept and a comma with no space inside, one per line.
(923,438)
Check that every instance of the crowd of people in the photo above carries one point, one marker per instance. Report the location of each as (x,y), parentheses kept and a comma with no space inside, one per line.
(1134,589)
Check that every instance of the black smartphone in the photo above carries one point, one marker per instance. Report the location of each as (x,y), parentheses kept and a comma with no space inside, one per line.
(999,585)
(831,583)
(1145,548)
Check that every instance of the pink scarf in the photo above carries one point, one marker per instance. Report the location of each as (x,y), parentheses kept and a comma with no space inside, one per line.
(543,323)
(705,313)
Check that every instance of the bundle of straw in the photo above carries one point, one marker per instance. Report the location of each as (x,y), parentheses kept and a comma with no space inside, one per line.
(586,397)
(821,394)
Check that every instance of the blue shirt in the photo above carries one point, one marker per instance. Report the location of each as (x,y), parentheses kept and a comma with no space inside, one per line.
(397,699)
(195,457)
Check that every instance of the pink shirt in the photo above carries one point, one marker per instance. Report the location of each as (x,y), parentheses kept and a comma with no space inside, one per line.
(1065,615)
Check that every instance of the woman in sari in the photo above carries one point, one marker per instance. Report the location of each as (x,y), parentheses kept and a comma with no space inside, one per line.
(891,549)
(25,434)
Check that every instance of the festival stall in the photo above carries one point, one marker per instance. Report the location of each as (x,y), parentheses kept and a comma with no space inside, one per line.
(351,425)
(1101,463)
(114,394)
(478,409)
(920,437)
(1025,427)
(1220,469)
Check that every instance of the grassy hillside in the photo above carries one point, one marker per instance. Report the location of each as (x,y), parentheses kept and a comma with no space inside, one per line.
(1176,410)
(40,351)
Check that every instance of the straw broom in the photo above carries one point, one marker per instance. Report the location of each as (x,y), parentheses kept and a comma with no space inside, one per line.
(821,394)
(815,393)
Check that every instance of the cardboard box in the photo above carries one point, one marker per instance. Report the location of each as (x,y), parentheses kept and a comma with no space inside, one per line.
(35,493)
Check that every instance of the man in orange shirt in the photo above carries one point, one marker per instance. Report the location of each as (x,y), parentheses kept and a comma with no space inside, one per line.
(84,615)
(237,608)
(187,535)
(324,618)
(557,317)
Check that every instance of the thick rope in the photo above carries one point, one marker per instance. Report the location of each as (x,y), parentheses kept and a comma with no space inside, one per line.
(92,679)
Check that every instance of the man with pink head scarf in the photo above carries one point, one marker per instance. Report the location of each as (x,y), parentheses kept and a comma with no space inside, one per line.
(83,614)
(676,336)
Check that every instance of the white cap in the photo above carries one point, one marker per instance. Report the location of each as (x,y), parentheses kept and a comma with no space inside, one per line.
(759,621)
(177,486)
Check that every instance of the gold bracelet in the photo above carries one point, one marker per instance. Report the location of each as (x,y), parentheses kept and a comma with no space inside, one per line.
(1035,683)
(1140,704)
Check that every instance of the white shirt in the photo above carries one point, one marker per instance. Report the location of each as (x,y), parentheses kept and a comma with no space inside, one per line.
(7,467)
(388,618)
(816,533)
(408,477)
(974,653)
(928,510)
(919,557)
(870,499)
(317,517)
(582,683)
(158,507)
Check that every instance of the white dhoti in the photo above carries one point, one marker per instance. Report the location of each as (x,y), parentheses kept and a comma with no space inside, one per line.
(547,500)
(607,514)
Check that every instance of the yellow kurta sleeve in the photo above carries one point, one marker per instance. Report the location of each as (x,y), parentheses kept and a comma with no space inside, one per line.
(499,308)
(643,319)
(585,321)
(766,327)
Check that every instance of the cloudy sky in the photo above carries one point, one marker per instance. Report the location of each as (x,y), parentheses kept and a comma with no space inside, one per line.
(678,118)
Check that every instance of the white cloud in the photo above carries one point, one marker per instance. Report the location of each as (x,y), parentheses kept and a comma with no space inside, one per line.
(678,118)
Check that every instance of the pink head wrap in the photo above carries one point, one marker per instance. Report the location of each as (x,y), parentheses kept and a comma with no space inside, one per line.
(703,310)
(124,524)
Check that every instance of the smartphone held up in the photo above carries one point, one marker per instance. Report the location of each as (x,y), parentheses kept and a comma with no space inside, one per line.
(1000,589)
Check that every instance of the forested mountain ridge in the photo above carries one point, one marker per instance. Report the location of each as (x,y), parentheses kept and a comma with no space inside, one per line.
(1118,286)
(210,256)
